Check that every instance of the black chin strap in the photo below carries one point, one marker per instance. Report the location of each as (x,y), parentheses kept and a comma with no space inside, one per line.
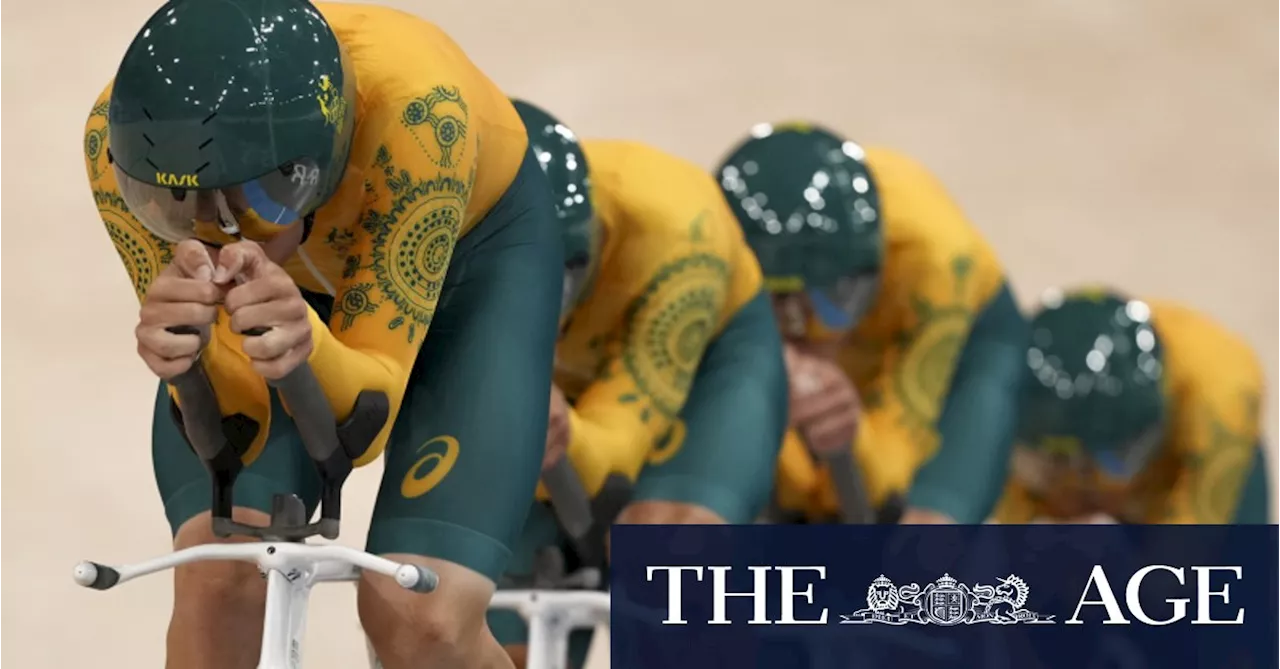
(307,221)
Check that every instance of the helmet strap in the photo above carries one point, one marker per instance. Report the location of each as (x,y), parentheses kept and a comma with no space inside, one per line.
(307,222)
(226,220)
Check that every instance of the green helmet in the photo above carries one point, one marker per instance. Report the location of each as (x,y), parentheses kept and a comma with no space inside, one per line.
(235,114)
(560,154)
(1094,386)
(811,212)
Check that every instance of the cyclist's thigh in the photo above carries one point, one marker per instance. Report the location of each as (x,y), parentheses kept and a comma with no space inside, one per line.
(1254,507)
(966,476)
(283,467)
(465,452)
(722,453)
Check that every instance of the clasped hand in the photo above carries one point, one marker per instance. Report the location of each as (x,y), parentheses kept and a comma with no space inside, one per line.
(257,293)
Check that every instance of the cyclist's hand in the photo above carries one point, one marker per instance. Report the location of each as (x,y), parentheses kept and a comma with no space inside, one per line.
(183,294)
(266,297)
(557,429)
(824,403)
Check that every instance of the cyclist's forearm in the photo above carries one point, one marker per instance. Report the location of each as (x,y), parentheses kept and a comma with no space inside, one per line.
(605,441)
(344,371)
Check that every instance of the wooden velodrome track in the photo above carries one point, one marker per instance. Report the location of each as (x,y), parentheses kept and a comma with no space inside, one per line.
(1129,142)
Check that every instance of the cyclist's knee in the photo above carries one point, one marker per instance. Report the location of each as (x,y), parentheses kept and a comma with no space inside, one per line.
(519,654)
(435,628)
(213,582)
(660,512)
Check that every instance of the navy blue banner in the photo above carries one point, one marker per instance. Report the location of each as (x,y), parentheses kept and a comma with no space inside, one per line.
(984,597)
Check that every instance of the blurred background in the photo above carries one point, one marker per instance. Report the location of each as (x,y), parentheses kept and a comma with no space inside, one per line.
(1130,142)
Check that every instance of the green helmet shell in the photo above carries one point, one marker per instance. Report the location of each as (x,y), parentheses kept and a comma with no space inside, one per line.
(215,94)
(1095,375)
(560,154)
(807,204)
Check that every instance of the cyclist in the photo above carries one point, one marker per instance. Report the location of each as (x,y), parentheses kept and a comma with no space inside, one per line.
(669,367)
(903,337)
(1137,412)
(345,176)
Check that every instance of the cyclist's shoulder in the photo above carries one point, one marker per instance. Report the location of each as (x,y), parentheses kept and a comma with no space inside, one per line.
(929,239)
(96,145)
(416,89)
(1202,354)
(399,58)
(655,195)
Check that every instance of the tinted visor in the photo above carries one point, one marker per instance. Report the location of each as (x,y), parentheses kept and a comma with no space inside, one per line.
(1118,461)
(257,209)
(841,305)
(1127,460)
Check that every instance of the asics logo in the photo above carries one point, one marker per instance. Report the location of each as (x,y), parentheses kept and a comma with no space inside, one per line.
(438,456)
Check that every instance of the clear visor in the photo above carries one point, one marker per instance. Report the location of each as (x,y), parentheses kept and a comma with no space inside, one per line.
(258,209)
(1129,460)
(840,306)
(1036,463)
(836,308)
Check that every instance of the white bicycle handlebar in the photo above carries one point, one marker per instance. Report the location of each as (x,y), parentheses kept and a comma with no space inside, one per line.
(290,568)
(320,563)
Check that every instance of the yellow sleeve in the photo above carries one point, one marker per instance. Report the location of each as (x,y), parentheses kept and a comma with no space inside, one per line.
(239,389)
(144,255)
(1216,430)
(419,187)
(939,274)
(797,475)
(668,323)
(1016,506)
(898,431)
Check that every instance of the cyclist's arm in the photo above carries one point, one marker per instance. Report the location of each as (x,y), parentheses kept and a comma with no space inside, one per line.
(674,314)
(239,389)
(798,477)
(418,192)
(1216,436)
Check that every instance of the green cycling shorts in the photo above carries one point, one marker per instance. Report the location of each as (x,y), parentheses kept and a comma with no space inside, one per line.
(1254,507)
(966,477)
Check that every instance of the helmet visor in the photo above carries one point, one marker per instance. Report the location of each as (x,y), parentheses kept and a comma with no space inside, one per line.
(841,305)
(258,209)
(1128,459)
(1120,461)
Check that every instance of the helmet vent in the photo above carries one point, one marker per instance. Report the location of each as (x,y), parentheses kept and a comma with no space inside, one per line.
(208,118)
(147,114)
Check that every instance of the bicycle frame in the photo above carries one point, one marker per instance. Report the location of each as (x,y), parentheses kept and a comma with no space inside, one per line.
(551,615)
(291,569)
